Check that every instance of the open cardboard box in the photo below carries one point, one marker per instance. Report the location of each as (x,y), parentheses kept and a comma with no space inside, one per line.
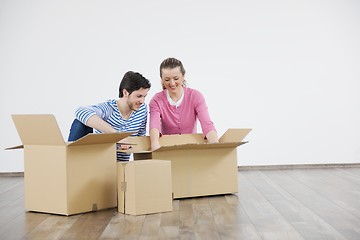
(198,168)
(66,177)
(144,187)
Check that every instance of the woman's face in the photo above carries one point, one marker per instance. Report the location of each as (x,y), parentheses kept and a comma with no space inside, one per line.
(172,79)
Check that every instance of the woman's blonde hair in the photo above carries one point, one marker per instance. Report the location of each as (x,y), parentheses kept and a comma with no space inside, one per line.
(172,63)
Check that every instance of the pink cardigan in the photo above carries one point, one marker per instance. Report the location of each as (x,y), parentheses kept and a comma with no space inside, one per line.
(181,120)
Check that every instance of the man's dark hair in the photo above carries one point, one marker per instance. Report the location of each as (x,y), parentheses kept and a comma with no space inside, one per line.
(133,81)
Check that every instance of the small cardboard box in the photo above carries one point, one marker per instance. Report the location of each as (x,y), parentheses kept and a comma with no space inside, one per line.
(198,168)
(144,187)
(66,178)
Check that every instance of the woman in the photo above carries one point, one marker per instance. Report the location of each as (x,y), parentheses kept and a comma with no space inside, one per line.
(176,109)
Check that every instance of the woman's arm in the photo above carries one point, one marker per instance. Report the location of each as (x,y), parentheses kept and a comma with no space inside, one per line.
(203,115)
(155,122)
(154,139)
(212,137)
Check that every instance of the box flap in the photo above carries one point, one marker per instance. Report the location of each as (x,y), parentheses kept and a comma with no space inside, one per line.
(179,139)
(140,143)
(133,150)
(15,147)
(38,129)
(143,143)
(234,135)
(187,146)
(231,138)
(96,138)
(200,146)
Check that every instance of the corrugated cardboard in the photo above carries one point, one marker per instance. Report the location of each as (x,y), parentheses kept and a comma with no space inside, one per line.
(144,187)
(66,178)
(198,168)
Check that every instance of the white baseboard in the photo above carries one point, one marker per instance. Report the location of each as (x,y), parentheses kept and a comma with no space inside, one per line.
(247,168)
(11,174)
(297,166)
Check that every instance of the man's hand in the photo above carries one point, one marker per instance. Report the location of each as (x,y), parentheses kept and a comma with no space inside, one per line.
(125,146)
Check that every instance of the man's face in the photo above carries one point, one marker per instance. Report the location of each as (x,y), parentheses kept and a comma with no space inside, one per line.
(137,98)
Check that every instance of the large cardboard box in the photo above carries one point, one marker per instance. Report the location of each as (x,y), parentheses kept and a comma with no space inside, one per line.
(144,187)
(66,178)
(198,168)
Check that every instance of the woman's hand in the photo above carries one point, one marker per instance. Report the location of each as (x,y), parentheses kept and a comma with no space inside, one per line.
(155,145)
(154,139)
(212,137)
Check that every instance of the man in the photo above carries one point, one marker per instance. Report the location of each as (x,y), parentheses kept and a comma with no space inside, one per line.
(126,114)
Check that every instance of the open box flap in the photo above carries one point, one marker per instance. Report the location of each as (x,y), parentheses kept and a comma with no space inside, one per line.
(187,146)
(15,147)
(231,138)
(200,146)
(180,139)
(143,143)
(38,129)
(96,138)
(132,150)
(139,143)
(234,135)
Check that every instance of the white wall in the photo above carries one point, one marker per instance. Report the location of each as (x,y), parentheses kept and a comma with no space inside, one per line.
(287,69)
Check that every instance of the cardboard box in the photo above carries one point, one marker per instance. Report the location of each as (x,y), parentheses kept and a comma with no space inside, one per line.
(144,187)
(66,178)
(198,168)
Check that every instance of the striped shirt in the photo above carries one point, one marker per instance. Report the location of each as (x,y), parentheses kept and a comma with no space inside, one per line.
(109,112)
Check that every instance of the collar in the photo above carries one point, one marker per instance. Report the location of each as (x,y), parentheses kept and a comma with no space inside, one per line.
(172,102)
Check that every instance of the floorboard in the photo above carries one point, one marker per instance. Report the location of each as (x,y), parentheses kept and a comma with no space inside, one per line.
(299,204)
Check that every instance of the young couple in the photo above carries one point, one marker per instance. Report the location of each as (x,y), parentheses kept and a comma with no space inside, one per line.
(174,110)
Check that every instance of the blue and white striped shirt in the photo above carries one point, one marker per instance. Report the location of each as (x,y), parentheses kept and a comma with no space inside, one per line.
(109,112)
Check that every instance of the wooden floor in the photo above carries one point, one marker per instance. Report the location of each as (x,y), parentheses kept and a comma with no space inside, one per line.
(271,204)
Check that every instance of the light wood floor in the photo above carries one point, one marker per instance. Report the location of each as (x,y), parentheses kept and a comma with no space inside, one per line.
(271,204)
